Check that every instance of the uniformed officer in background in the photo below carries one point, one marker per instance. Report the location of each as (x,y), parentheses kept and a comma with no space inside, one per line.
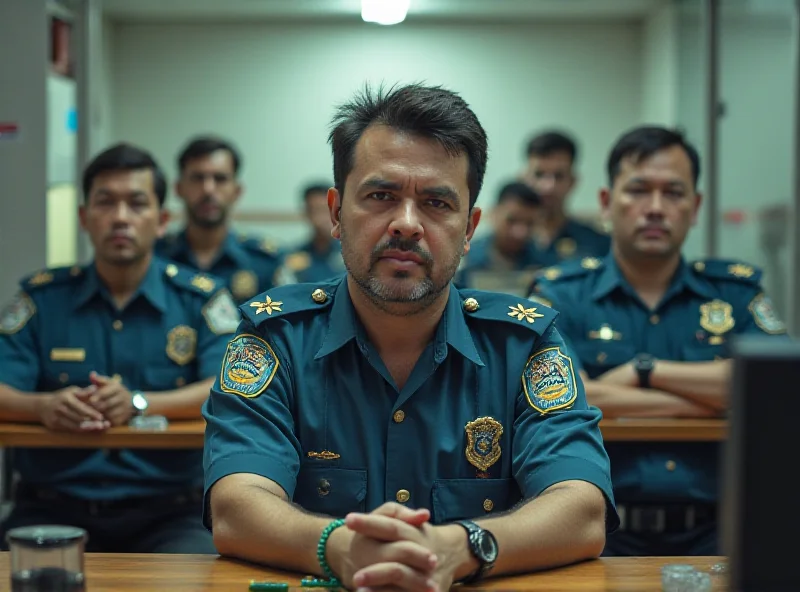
(389,389)
(209,187)
(319,258)
(551,173)
(651,331)
(87,348)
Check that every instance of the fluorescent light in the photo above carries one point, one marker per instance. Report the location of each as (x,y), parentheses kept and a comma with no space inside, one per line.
(384,12)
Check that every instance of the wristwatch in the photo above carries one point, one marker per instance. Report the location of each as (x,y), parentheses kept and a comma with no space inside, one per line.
(483,547)
(140,403)
(644,364)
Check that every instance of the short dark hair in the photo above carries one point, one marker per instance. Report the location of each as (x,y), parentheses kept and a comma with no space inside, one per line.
(124,157)
(428,111)
(201,146)
(550,142)
(642,142)
(318,187)
(520,192)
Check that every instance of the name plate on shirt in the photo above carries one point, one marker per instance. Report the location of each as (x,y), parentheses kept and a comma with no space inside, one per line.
(67,354)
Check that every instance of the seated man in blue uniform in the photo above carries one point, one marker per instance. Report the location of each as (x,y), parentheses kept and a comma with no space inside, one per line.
(557,236)
(394,400)
(88,348)
(320,258)
(209,187)
(510,247)
(652,331)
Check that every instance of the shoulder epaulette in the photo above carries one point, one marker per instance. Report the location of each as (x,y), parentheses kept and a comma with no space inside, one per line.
(190,279)
(496,306)
(569,269)
(56,275)
(297,261)
(289,299)
(728,269)
(265,246)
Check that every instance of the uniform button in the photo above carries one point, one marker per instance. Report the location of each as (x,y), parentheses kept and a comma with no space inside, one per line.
(670,465)
(488,505)
(654,320)
(323,487)
(403,496)
(63,377)
(180,381)
(117,325)
(319,296)
(399,416)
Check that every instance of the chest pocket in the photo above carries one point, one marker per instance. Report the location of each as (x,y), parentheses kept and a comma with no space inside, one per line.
(704,353)
(167,377)
(460,499)
(599,356)
(57,375)
(331,491)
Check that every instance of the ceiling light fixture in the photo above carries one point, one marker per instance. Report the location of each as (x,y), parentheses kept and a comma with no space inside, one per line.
(384,12)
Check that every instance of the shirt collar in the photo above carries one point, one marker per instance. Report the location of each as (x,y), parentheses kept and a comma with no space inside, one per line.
(230,248)
(151,288)
(343,326)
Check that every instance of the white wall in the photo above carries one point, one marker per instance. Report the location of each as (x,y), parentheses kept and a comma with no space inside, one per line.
(271,88)
(660,76)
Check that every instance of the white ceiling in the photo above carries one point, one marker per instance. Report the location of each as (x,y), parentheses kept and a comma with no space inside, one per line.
(476,10)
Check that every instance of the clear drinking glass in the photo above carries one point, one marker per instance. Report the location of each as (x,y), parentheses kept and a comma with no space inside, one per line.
(47,558)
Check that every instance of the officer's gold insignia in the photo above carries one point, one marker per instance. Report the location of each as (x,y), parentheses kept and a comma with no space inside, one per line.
(221,314)
(549,380)
(765,316)
(539,300)
(605,333)
(203,282)
(41,278)
(67,354)
(551,273)
(249,366)
(298,261)
(521,313)
(483,442)
(700,266)
(566,247)
(269,246)
(181,344)
(171,270)
(741,270)
(324,455)
(471,305)
(16,314)
(244,284)
(268,306)
(590,262)
(716,317)
(319,296)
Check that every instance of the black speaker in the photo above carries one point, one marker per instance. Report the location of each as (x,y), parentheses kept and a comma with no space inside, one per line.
(760,511)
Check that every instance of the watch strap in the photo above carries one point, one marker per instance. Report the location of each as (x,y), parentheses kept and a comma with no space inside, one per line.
(483,567)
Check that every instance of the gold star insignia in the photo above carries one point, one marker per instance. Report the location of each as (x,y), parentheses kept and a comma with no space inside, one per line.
(41,278)
(268,306)
(741,270)
(205,283)
(590,263)
(551,273)
(527,314)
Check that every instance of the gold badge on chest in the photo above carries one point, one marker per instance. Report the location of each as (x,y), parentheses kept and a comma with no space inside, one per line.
(483,443)
(181,344)
(244,284)
(716,317)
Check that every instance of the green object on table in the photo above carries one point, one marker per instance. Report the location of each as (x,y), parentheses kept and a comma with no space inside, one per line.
(268,586)
(315,583)
(332,581)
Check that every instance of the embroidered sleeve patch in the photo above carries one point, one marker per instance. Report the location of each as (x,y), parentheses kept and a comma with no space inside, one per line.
(221,314)
(249,366)
(549,380)
(16,314)
(765,316)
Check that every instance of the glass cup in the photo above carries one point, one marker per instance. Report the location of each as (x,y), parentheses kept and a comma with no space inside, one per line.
(47,558)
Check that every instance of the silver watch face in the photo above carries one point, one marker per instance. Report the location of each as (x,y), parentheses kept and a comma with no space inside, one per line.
(488,547)
(139,402)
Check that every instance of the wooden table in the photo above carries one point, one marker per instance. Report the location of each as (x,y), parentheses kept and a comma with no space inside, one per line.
(209,573)
(189,434)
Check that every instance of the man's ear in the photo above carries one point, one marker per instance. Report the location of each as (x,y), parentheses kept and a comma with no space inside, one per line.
(473,220)
(335,209)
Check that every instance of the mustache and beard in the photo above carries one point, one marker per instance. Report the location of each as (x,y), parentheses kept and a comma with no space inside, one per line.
(211,219)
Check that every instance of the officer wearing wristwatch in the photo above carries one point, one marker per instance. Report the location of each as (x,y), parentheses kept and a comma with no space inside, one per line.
(139,402)
(644,364)
(483,547)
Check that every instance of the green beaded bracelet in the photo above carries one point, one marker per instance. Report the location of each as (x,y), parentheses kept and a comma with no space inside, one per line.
(332,581)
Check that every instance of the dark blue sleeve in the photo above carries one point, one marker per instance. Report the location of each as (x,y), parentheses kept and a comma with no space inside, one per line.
(19,358)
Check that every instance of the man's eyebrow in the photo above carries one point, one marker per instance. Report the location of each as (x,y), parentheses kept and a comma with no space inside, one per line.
(440,191)
(378,183)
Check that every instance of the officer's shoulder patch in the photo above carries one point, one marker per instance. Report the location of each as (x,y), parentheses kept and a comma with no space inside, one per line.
(569,270)
(264,246)
(765,316)
(248,367)
(290,299)
(495,306)
(298,261)
(728,269)
(190,279)
(549,380)
(53,276)
(16,313)
(220,313)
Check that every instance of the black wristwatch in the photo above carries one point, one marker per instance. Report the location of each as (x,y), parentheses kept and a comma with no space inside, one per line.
(644,364)
(483,547)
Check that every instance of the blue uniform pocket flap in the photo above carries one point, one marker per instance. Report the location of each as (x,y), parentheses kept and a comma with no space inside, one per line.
(330,490)
(164,378)
(459,499)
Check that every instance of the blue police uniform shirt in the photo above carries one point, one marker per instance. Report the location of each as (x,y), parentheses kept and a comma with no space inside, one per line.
(63,325)
(605,322)
(309,265)
(482,257)
(575,240)
(248,266)
(493,412)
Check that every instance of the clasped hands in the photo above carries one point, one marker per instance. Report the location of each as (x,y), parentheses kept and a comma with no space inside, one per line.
(396,548)
(104,403)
